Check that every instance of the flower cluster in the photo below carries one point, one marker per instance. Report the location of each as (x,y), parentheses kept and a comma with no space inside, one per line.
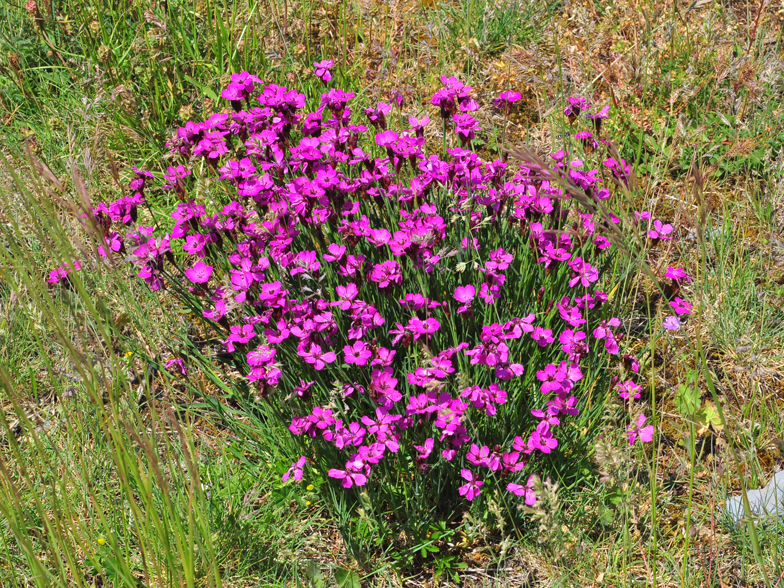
(390,301)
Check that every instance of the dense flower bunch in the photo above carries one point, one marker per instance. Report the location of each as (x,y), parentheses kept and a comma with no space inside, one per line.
(407,312)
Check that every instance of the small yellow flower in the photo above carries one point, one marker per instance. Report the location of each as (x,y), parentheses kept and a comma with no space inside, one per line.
(307,503)
(101,541)
(309,487)
(128,354)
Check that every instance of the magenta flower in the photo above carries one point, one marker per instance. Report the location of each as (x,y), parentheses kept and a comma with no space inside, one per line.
(584,273)
(60,274)
(472,488)
(576,105)
(322,418)
(423,328)
(619,169)
(511,462)
(478,456)
(506,99)
(316,357)
(678,274)
(177,363)
(464,295)
(660,231)
(628,390)
(681,306)
(377,115)
(527,491)
(383,383)
(239,334)
(672,323)
(302,389)
(386,139)
(418,125)
(355,473)
(358,353)
(262,355)
(638,430)
(543,337)
(296,469)
(200,273)
(573,343)
(489,293)
(387,274)
(542,439)
(322,70)
(466,127)
(336,253)
(425,449)
(552,379)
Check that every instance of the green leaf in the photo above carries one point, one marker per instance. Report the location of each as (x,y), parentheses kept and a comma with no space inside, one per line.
(209,92)
(347,578)
(708,418)
(687,400)
(314,574)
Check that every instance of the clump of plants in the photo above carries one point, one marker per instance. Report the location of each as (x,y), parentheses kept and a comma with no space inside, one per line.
(433,328)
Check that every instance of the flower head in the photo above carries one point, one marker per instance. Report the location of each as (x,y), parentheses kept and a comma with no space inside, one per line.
(295,469)
(640,430)
(472,488)
(322,70)
(526,491)
(200,273)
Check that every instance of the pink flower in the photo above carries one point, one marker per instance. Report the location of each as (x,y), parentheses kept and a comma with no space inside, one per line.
(573,343)
(355,473)
(295,469)
(681,306)
(384,383)
(671,323)
(358,353)
(489,293)
(262,355)
(303,388)
(423,328)
(238,334)
(335,252)
(200,273)
(506,99)
(660,231)
(387,274)
(316,357)
(425,449)
(511,461)
(542,439)
(322,418)
(552,379)
(644,433)
(346,294)
(677,274)
(322,70)
(543,337)
(472,488)
(527,490)
(464,295)
(584,273)
(179,364)
(628,390)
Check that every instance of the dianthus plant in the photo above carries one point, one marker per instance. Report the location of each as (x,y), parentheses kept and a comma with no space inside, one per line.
(427,324)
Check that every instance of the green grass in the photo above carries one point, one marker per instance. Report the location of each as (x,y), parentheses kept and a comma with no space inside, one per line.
(113,475)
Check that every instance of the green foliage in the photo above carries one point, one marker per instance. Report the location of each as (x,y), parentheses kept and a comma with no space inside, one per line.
(486,27)
(688,398)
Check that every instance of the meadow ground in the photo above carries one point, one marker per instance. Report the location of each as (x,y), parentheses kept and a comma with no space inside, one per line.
(113,475)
